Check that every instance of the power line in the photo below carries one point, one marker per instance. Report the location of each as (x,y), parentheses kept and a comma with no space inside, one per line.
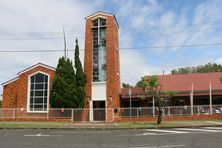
(124,48)
(174,46)
(37,38)
(31,33)
(36,35)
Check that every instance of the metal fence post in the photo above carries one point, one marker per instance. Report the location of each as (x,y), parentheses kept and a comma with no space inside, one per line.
(72,114)
(137,112)
(48,114)
(153,107)
(113,113)
(13,113)
(168,111)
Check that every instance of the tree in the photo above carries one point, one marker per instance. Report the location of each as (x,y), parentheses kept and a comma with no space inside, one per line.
(152,85)
(0,103)
(63,91)
(80,77)
(125,85)
(210,67)
(220,79)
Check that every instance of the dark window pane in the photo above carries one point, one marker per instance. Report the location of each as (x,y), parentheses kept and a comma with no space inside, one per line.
(38,93)
(46,86)
(38,100)
(31,108)
(32,86)
(38,108)
(31,93)
(39,78)
(31,100)
(45,108)
(102,22)
(45,100)
(95,23)
(46,78)
(32,79)
(46,93)
(39,86)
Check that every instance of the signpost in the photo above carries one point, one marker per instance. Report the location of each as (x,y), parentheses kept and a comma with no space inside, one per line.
(130,93)
(211,110)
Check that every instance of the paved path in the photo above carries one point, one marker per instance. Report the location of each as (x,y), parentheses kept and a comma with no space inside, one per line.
(208,137)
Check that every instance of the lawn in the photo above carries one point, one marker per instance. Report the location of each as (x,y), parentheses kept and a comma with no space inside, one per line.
(169,124)
(30,124)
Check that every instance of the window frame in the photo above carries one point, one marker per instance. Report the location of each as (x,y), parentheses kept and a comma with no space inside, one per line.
(29,91)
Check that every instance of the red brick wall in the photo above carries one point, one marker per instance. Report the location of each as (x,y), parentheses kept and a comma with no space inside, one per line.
(15,93)
(10,95)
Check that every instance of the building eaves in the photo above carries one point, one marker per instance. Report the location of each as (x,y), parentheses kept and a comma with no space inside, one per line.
(10,81)
(103,13)
(36,65)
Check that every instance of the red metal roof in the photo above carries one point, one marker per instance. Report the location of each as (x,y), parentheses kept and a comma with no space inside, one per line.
(182,83)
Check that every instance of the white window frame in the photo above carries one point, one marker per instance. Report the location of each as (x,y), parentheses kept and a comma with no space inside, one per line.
(28,94)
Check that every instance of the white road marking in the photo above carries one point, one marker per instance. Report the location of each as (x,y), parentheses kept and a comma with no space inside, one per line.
(163,146)
(39,135)
(197,130)
(145,134)
(216,128)
(166,131)
(86,132)
(172,146)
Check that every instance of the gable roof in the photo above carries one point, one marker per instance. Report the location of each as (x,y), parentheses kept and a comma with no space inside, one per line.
(34,66)
(27,69)
(103,13)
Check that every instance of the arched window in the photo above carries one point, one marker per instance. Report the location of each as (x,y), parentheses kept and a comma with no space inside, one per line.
(38,92)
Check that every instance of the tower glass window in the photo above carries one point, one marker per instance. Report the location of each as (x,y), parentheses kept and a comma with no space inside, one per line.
(38,92)
(99,50)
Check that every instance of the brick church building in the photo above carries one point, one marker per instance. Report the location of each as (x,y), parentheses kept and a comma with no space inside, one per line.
(30,89)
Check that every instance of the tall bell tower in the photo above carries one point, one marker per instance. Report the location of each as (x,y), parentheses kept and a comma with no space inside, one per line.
(101,65)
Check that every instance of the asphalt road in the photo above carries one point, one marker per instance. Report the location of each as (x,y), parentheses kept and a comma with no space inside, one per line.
(144,138)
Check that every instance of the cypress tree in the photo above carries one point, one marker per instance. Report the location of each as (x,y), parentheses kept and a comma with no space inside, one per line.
(63,91)
(80,77)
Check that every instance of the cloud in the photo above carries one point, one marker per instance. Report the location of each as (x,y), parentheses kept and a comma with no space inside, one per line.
(218,61)
(35,19)
(133,66)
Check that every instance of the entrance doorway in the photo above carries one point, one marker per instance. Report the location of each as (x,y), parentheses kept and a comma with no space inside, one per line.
(99,110)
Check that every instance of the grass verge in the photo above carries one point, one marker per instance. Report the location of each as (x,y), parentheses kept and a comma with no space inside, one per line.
(30,124)
(167,124)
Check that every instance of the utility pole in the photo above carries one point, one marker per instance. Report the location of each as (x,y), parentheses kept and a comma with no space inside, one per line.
(64,36)
(191,100)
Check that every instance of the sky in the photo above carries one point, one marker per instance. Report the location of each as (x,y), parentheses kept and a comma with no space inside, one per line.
(148,30)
